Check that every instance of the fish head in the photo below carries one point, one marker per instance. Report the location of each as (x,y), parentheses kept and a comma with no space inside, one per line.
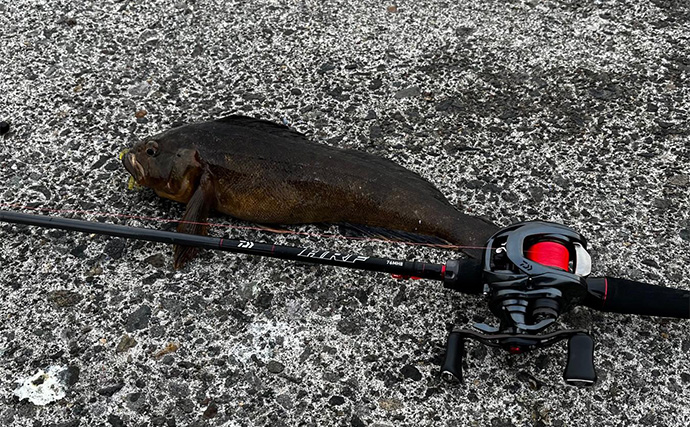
(168,165)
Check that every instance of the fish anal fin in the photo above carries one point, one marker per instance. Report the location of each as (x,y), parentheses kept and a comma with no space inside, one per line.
(193,222)
(358,230)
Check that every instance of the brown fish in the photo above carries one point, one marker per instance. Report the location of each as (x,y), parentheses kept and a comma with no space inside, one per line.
(262,172)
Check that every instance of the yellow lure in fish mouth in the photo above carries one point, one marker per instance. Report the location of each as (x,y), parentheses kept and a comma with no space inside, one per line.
(131,182)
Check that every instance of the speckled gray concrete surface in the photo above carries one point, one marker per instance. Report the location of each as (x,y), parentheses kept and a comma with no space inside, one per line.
(567,111)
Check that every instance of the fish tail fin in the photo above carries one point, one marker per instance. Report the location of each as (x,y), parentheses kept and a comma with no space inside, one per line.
(471,233)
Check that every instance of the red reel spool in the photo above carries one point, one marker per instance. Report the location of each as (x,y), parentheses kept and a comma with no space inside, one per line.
(549,253)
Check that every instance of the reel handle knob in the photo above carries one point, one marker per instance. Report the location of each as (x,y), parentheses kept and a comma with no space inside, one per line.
(451,371)
(580,367)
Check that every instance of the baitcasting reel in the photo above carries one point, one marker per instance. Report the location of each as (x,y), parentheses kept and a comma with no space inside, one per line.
(532,272)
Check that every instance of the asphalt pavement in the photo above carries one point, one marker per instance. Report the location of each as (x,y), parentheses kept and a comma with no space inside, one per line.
(568,111)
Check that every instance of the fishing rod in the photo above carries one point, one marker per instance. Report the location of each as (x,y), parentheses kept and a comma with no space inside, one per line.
(397,267)
(530,273)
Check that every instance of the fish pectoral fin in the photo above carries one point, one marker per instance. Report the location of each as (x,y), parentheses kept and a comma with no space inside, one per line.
(193,222)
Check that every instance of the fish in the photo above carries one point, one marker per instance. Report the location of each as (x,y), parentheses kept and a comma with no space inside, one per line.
(259,171)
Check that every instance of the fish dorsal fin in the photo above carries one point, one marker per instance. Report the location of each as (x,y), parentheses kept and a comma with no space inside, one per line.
(260,124)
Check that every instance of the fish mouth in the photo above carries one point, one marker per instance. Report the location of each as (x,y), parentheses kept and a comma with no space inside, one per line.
(135,168)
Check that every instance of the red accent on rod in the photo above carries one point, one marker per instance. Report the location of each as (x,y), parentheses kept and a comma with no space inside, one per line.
(606,289)
(552,254)
(402,276)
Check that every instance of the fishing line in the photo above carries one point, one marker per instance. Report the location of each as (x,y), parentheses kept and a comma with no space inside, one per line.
(236,227)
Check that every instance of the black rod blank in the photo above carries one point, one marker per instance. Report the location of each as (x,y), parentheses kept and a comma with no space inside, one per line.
(317,256)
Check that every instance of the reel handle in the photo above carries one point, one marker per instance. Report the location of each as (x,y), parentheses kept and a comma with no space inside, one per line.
(580,367)
(451,371)
(631,297)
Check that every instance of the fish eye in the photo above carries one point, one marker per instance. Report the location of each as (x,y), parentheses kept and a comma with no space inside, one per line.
(152,148)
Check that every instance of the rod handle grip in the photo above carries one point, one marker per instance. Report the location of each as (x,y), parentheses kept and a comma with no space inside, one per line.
(631,297)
